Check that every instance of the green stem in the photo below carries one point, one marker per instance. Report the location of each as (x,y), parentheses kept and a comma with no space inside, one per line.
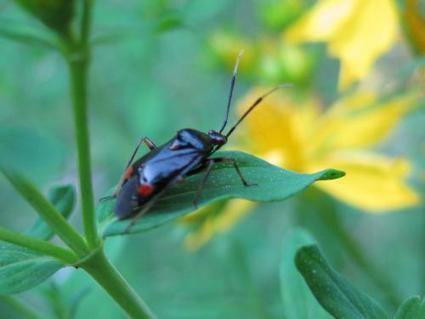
(40,246)
(86,21)
(78,63)
(21,308)
(47,211)
(78,77)
(77,53)
(106,275)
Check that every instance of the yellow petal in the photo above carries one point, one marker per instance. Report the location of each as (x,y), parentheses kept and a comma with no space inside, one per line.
(227,47)
(278,128)
(358,121)
(371,31)
(220,222)
(358,32)
(373,183)
(324,20)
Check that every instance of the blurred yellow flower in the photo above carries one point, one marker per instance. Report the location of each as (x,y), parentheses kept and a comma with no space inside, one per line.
(227,47)
(357,32)
(302,136)
(214,219)
(265,57)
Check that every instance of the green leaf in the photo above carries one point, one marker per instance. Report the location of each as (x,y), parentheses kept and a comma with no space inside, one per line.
(412,308)
(333,291)
(56,14)
(298,302)
(45,210)
(63,198)
(22,269)
(273,184)
(25,36)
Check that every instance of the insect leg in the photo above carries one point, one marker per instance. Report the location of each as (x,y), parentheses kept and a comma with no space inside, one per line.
(236,166)
(209,166)
(148,142)
(151,145)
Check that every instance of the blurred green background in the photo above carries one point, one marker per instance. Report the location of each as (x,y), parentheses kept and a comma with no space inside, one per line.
(155,69)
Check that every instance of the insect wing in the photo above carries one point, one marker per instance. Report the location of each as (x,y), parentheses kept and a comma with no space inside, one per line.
(127,198)
(168,164)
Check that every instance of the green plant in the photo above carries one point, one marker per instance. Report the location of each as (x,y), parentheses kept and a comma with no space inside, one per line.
(30,258)
(340,298)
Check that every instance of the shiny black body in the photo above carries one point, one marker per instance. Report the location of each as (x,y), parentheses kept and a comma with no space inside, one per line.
(163,166)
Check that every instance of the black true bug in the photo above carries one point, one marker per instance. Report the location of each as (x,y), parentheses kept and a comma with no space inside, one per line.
(188,152)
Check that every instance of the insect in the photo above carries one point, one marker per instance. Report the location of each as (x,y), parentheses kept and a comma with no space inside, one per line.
(188,152)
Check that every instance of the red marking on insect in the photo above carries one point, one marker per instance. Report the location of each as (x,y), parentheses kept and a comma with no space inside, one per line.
(128,173)
(146,189)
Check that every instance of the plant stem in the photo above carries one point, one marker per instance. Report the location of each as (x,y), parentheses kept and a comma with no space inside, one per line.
(78,78)
(20,307)
(96,264)
(77,53)
(86,21)
(47,211)
(40,246)
(106,275)
(78,63)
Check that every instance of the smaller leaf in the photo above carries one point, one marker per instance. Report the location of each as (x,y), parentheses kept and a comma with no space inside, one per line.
(412,308)
(22,269)
(28,37)
(63,198)
(333,291)
(298,302)
(45,209)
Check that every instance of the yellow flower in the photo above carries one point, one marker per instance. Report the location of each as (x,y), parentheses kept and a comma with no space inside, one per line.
(357,32)
(302,136)
(214,219)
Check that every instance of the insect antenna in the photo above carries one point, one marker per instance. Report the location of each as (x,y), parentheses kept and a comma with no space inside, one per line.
(252,107)
(232,86)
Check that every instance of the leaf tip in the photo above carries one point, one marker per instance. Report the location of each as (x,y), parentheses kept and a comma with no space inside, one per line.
(330,174)
(304,254)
